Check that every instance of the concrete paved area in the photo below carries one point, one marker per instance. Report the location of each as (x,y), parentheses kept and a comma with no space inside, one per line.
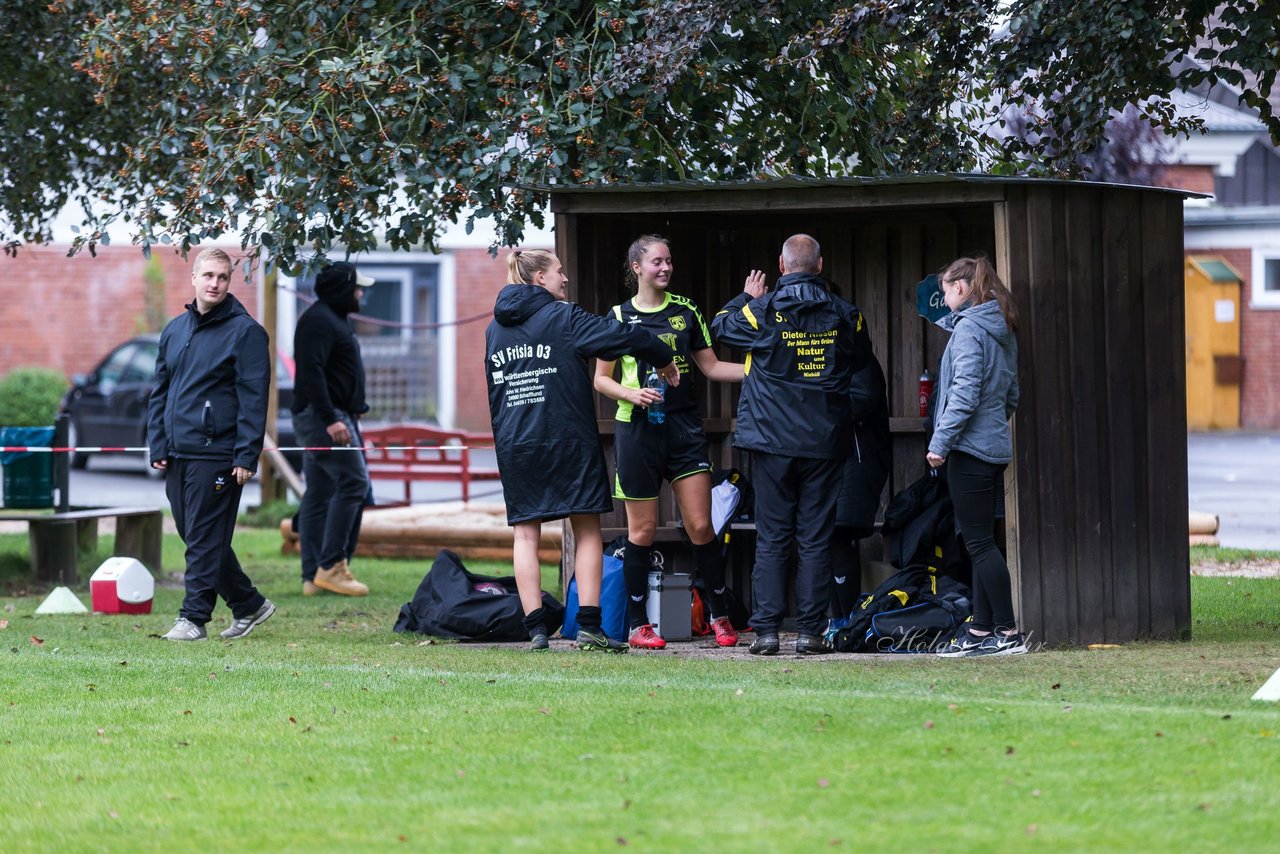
(1237,476)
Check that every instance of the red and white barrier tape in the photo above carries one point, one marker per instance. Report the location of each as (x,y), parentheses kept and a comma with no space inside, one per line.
(17,449)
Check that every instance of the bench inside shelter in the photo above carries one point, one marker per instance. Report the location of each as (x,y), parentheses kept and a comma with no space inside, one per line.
(415,454)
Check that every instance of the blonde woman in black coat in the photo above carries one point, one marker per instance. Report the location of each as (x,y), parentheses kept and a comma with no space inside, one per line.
(542,407)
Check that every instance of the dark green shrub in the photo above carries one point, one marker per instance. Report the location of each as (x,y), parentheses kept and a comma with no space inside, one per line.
(29,397)
(268,515)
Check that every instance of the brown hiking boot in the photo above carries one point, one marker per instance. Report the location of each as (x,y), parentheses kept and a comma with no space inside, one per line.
(338,579)
(309,588)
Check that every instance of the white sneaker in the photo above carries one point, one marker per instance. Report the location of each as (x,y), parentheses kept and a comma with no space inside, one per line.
(185,630)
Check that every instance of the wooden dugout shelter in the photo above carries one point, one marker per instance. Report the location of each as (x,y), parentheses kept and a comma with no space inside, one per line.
(1096,499)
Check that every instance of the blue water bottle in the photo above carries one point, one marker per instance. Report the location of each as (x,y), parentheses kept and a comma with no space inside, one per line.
(657,411)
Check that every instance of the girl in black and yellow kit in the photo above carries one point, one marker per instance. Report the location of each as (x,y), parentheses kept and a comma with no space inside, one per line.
(675,450)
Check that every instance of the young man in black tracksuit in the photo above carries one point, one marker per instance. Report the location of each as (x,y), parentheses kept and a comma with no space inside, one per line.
(205,422)
(328,398)
(804,343)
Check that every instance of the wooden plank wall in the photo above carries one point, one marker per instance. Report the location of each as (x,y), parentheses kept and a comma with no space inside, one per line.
(1099,521)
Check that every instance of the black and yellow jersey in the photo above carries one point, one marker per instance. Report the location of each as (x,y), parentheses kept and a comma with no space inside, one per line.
(679,324)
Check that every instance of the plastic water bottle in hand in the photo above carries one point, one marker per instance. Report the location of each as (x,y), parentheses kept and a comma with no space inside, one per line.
(657,410)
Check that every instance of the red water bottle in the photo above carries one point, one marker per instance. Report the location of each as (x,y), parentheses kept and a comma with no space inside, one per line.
(926,390)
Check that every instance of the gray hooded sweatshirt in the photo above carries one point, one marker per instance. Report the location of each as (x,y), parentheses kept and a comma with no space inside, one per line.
(977,386)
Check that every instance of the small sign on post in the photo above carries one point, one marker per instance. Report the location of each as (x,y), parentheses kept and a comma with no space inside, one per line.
(929,300)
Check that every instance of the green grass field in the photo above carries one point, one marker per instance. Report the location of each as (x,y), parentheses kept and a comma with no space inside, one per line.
(326,731)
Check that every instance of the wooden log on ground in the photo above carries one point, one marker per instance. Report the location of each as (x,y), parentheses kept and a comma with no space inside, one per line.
(1202,523)
(1204,540)
(426,542)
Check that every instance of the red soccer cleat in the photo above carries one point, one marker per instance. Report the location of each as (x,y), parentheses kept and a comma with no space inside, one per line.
(726,634)
(644,637)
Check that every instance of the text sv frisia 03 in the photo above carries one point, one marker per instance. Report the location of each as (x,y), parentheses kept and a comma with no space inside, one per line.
(523,386)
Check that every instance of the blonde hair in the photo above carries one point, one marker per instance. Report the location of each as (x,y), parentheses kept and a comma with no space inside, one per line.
(986,284)
(213,254)
(522,264)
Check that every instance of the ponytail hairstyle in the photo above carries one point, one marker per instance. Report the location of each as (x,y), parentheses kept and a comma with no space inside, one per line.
(986,285)
(522,264)
(635,254)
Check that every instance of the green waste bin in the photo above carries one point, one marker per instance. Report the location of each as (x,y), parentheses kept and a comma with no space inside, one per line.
(28,477)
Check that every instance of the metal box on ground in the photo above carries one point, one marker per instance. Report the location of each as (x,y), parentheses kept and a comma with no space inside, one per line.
(670,604)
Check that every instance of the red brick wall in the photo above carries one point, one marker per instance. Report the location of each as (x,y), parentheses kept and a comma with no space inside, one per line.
(1260,399)
(1195,178)
(478,277)
(1260,347)
(67,313)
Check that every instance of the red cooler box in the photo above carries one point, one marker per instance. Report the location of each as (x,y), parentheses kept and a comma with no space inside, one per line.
(122,585)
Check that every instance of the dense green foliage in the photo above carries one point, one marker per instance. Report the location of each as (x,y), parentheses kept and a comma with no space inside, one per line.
(317,123)
(29,397)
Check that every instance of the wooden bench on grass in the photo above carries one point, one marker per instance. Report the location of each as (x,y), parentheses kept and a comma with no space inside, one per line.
(57,538)
(433,455)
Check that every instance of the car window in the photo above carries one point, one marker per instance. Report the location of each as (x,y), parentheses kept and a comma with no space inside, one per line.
(142,367)
(113,368)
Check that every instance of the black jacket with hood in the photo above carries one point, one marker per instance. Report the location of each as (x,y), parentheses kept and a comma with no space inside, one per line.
(867,470)
(213,379)
(329,370)
(542,403)
(804,344)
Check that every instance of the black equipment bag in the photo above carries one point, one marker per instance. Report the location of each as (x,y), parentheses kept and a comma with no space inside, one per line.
(914,610)
(920,528)
(454,603)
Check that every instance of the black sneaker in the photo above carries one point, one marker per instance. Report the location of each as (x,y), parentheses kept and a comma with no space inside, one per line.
(1014,644)
(811,645)
(764,644)
(598,642)
(962,645)
(538,642)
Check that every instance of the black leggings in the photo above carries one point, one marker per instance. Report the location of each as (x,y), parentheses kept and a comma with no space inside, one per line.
(973,483)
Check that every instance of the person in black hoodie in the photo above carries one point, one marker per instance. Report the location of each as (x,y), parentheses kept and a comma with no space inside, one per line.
(794,415)
(205,422)
(328,399)
(544,426)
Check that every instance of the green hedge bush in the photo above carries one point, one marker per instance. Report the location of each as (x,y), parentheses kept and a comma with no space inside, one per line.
(29,397)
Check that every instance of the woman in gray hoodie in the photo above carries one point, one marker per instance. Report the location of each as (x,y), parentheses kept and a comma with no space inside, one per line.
(977,395)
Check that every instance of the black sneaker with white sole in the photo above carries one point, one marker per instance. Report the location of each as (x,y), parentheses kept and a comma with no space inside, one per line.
(1014,644)
(962,645)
